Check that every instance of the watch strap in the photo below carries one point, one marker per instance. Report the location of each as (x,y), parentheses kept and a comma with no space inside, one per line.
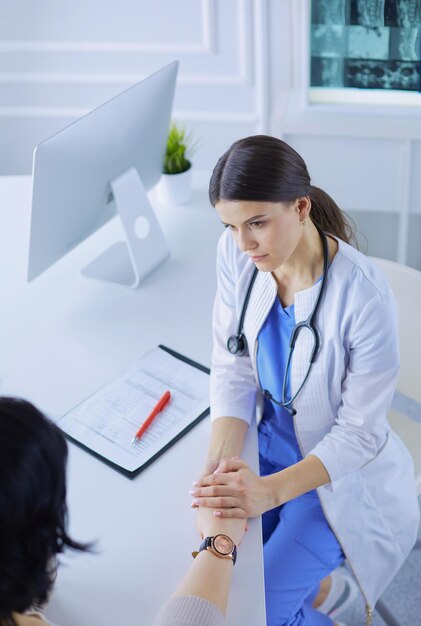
(207,543)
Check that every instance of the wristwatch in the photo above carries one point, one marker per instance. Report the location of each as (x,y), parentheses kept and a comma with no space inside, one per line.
(221,546)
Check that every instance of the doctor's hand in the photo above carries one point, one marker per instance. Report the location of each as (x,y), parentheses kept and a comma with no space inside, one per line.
(233,490)
(210,525)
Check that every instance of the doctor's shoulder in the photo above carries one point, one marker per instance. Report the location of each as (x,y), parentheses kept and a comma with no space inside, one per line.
(358,273)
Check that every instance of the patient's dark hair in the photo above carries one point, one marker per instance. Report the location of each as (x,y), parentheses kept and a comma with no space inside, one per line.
(33,511)
(264,168)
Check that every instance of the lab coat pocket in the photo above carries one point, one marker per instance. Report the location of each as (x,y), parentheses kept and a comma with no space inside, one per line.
(388,481)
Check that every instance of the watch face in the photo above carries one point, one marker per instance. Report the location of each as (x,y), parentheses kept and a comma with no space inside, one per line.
(223,544)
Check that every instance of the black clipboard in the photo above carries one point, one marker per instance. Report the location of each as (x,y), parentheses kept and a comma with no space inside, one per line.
(132,474)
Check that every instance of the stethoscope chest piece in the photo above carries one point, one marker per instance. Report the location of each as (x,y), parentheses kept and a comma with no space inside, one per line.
(237,344)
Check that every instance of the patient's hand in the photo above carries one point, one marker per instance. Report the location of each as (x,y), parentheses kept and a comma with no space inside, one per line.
(208,525)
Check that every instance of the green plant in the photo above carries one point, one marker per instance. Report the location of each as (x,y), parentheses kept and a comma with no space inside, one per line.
(179,148)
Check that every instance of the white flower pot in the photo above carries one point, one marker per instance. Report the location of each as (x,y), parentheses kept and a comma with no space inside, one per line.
(175,188)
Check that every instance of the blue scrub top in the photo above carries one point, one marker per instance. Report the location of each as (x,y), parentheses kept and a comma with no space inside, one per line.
(277,441)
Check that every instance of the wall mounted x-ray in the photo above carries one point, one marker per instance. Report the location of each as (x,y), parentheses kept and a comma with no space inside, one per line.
(366,45)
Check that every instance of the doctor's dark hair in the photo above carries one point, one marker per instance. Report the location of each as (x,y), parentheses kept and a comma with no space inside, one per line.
(33,511)
(266,169)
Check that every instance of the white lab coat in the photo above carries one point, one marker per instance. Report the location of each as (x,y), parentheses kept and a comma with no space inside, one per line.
(371,502)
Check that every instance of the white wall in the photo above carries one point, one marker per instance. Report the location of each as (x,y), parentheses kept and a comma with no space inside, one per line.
(243,70)
(59,59)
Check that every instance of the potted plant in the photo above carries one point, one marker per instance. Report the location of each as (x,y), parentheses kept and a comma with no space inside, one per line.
(175,183)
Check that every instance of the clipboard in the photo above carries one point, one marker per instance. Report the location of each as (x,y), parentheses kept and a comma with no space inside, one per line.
(64,421)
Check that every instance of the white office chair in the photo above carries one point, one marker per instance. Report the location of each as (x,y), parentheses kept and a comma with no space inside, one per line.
(405,415)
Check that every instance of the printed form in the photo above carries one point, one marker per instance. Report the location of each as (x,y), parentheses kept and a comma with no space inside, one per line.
(107,421)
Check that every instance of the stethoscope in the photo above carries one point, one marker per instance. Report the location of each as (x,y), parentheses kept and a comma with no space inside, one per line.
(237,344)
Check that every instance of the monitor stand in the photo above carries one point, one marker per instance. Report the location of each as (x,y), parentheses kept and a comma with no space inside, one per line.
(129,262)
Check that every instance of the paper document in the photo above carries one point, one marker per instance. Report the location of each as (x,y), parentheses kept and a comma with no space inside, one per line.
(106,422)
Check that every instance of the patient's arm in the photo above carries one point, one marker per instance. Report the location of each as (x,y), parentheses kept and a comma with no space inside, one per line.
(209,576)
(202,595)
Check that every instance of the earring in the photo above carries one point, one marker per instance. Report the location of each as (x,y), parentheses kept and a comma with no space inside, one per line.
(303,222)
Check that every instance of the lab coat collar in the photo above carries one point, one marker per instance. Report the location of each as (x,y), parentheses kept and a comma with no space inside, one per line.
(261,301)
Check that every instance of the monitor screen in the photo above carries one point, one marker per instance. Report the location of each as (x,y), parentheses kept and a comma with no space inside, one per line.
(73,170)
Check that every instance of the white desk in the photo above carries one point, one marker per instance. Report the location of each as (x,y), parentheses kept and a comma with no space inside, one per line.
(62,337)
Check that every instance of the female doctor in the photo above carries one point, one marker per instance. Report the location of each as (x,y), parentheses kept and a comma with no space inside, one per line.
(305,328)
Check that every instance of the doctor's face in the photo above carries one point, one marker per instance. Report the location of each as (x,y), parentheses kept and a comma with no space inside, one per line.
(268,232)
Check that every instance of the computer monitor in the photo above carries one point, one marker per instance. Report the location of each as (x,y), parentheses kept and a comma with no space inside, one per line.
(100,165)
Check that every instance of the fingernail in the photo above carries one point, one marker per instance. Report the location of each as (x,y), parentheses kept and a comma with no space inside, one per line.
(195,501)
(195,483)
(217,513)
(193,505)
(192,492)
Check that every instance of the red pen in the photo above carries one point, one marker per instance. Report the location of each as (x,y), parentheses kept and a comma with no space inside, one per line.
(162,402)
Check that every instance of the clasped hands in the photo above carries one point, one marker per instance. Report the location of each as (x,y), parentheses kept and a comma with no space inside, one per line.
(232,490)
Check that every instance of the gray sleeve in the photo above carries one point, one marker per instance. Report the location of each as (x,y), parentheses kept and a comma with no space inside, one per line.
(189,611)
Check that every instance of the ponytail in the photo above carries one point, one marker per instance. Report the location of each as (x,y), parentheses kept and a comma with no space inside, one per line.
(329,217)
